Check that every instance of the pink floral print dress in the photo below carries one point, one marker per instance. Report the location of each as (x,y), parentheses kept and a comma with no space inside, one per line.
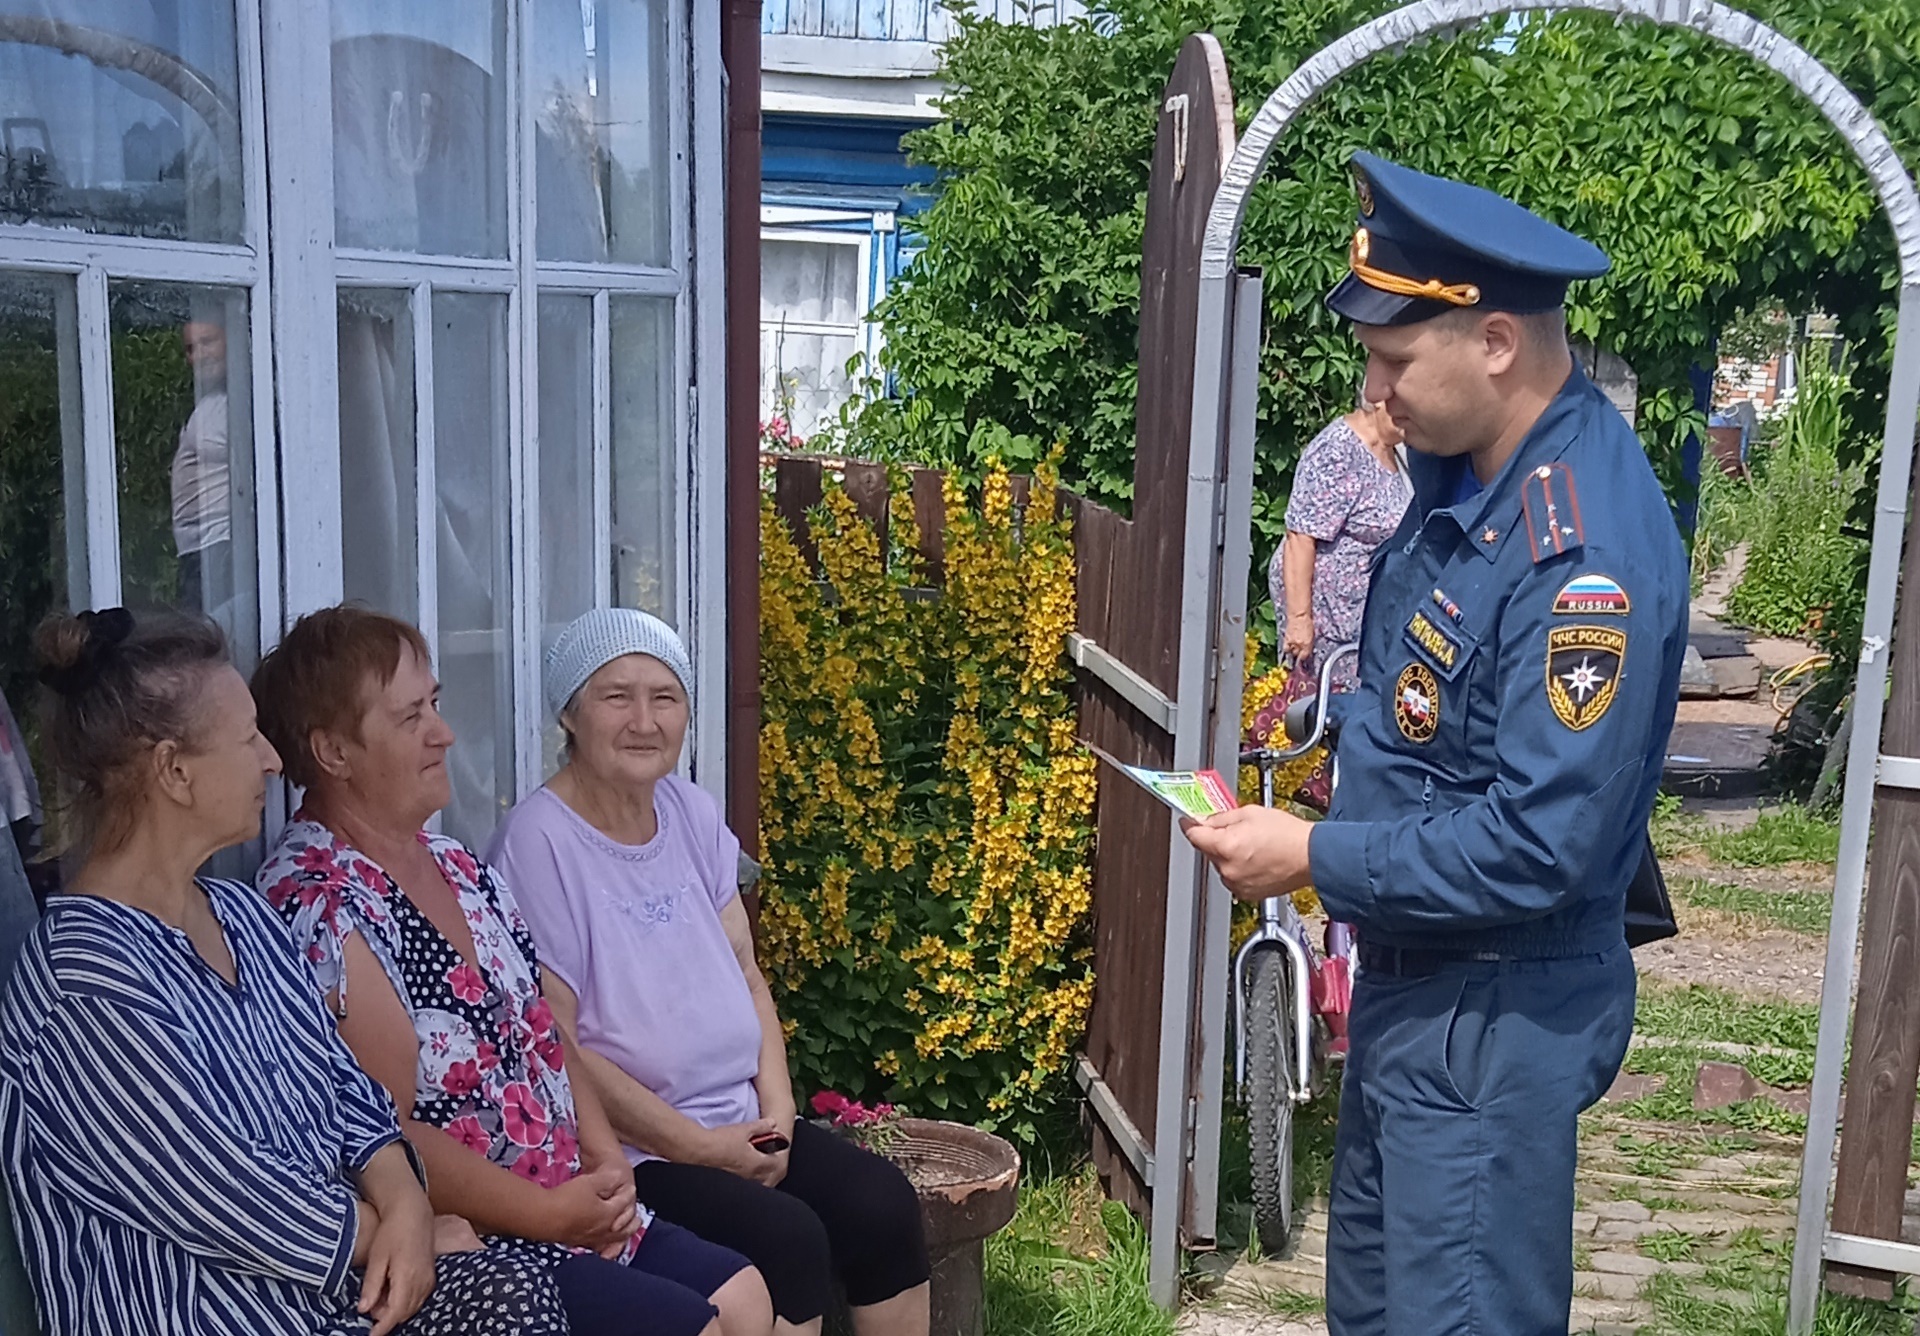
(492,1068)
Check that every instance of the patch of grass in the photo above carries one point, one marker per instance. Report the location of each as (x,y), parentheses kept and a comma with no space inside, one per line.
(1288,1303)
(1070,1265)
(1797,911)
(1655,1159)
(1714,1015)
(1670,1245)
(1754,1267)
(1673,1103)
(1781,835)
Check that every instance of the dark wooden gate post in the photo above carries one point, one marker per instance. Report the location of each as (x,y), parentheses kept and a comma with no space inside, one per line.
(1131,576)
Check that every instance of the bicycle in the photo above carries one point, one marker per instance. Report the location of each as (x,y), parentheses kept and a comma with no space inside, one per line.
(1276,1031)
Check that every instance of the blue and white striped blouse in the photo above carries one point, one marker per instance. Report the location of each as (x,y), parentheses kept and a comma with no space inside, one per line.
(177,1149)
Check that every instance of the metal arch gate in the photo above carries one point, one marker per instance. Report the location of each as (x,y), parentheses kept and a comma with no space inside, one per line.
(1217,349)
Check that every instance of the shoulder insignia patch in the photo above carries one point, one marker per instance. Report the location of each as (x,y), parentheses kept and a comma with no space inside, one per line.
(1583,672)
(1552,509)
(1416,703)
(1589,594)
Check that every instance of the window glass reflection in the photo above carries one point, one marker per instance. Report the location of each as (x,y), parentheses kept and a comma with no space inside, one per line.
(475,545)
(379,556)
(121,116)
(565,509)
(420,126)
(603,149)
(645,498)
(42,491)
(183,452)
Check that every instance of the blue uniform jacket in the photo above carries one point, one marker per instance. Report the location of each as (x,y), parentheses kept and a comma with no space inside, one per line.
(1519,668)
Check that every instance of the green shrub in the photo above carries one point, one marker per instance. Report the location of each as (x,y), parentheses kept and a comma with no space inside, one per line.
(1714,189)
(926,812)
(1804,575)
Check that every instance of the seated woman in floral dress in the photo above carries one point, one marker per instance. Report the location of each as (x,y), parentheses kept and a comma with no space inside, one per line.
(629,876)
(424,958)
(188,1145)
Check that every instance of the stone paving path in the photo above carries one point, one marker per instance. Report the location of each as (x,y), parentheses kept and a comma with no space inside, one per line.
(1655,1200)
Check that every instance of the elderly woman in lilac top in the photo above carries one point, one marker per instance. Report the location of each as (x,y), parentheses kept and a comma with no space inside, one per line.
(629,877)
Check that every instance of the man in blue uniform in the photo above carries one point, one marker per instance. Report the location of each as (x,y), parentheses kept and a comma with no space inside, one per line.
(1519,668)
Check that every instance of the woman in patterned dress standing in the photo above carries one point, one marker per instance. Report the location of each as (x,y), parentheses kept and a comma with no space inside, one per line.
(1349,493)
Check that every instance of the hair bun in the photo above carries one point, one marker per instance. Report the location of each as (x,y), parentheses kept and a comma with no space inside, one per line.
(73,650)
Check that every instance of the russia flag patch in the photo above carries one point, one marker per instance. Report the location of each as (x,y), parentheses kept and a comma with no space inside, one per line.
(1589,594)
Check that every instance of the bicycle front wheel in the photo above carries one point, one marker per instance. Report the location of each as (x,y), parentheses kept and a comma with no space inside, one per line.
(1270,1067)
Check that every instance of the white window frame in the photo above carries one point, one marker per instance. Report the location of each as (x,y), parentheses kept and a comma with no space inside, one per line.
(292,272)
(298,43)
(93,261)
(794,223)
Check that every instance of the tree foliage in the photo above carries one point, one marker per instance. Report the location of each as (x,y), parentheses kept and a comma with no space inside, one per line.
(1714,187)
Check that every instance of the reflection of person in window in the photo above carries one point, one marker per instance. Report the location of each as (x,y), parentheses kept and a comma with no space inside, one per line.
(202,497)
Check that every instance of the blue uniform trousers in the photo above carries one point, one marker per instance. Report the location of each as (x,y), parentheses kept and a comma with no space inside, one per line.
(1452,1202)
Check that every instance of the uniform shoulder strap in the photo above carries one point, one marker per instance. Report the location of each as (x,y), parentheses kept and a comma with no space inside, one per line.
(1552,507)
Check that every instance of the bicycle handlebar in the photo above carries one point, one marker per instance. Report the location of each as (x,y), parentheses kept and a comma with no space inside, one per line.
(1317,728)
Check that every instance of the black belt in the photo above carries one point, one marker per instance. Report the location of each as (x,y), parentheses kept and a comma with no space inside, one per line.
(1407,962)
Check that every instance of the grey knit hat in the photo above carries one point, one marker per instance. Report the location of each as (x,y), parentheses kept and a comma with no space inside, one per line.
(597,638)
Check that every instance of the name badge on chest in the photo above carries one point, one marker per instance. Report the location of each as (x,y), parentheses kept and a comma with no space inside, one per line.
(1446,646)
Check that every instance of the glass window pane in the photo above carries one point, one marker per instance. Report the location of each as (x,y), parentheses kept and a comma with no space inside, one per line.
(420,126)
(121,117)
(474,543)
(42,495)
(566,505)
(183,451)
(379,551)
(645,464)
(603,143)
(809,328)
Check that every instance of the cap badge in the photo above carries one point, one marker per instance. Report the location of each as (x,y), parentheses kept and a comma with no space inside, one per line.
(1363,188)
(1432,289)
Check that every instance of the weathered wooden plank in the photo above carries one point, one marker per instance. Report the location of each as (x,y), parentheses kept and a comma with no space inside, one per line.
(773,17)
(804,18)
(1142,613)
(872,22)
(1876,1133)
(840,18)
(1095,531)
(1169,308)
(909,21)
(930,518)
(797,489)
(866,486)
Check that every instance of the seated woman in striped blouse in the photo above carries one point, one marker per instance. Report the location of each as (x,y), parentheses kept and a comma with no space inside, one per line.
(188,1145)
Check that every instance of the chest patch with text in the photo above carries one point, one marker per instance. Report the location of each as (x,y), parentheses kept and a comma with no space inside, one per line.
(1440,643)
(1416,703)
(1583,672)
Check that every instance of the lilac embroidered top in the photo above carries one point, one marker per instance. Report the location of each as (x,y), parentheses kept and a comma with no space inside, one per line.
(1348,503)
(635,931)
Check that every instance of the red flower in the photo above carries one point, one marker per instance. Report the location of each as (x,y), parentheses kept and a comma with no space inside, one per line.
(487,1055)
(462,1079)
(317,858)
(534,1165)
(466,983)
(566,1146)
(467,1131)
(463,863)
(830,1103)
(540,1017)
(524,1116)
